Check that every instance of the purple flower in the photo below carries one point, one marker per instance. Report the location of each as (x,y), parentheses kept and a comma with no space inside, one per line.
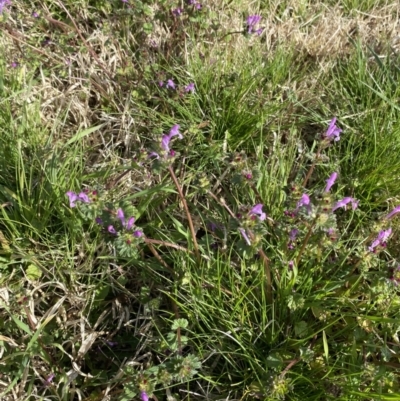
(128,225)
(167,138)
(330,181)
(245,236)
(257,209)
(291,264)
(170,84)
(14,64)
(293,234)
(144,396)
(333,132)
(189,88)
(252,20)
(3,3)
(393,212)
(138,233)
(154,154)
(196,4)
(381,239)
(177,12)
(160,84)
(292,237)
(35,14)
(73,198)
(98,220)
(111,230)
(304,201)
(344,202)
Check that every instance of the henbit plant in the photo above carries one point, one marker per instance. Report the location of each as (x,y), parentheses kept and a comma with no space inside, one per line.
(277,304)
(308,235)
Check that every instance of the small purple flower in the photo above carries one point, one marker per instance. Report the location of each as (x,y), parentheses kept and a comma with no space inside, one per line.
(121,216)
(111,230)
(160,84)
(177,12)
(170,84)
(190,88)
(154,154)
(14,64)
(138,233)
(330,181)
(167,138)
(333,132)
(381,239)
(49,379)
(3,4)
(291,264)
(128,225)
(74,197)
(144,396)
(245,236)
(98,220)
(196,4)
(304,201)
(293,234)
(292,237)
(35,14)
(344,202)
(252,20)
(257,210)
(393,212)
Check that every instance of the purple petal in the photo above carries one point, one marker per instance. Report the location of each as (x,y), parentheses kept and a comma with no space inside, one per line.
(111,230)
(293,234)
(344,202)
(333,132)
(189,88)
(155,154)
(330,181)
(83,197)
(130,223)
(98,220)
(121,216)
(165,142)
(257,209)
(393,212)
(73,197)
(304,201)
(175,131)
(144,396)
(245,236)
(170,84)
(138,233)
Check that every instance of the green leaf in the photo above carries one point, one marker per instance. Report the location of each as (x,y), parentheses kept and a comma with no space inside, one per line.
(326,348)
(33,273)
(82,134)
(301,329)
(179,323)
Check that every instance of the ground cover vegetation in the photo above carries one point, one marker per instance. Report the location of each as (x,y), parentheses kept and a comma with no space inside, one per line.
(199,200)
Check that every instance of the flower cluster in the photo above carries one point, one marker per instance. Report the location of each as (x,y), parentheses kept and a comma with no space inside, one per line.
(170,84)
(252,21)
(165,153)
(253,218)
(333,132)
(81,197)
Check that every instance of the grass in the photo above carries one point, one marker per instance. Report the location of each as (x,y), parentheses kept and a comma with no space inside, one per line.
(200,297)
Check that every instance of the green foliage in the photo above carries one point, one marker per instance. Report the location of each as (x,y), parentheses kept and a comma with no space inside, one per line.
(199,295)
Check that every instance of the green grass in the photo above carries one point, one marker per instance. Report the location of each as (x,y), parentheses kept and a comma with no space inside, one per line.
(196,314)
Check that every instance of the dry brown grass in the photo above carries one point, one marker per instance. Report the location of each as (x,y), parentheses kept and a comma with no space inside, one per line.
(74,88)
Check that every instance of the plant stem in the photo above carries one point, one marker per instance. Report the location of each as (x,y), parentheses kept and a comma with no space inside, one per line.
(189,217)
